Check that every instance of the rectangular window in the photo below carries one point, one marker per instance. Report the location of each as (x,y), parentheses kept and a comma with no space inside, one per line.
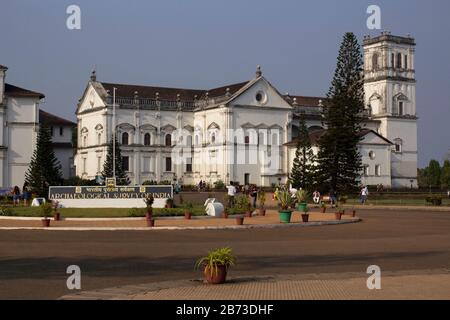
(398,147)
(168,164)
(51,131)
(392,60)
(126,163)
(188,164)
(406,61)
(400,108)
(366,170)
(61,131)
(99,164)
(84,165)
(247,140)
(378,170)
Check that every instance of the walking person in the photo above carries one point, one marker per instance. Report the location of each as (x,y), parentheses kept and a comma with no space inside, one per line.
(231,193)
(26,194)
(254,195)
(364,194)
(333,197)
(16,196)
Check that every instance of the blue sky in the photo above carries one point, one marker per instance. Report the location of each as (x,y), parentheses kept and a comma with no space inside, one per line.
(203,44)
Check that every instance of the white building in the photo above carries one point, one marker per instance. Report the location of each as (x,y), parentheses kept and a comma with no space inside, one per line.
(244,132)
(19,125)
(61,132)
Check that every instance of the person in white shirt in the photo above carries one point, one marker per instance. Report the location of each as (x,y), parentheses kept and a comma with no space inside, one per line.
(316,197)
(364,194)
(231,193)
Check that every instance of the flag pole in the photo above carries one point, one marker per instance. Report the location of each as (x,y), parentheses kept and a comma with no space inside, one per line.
(114,133)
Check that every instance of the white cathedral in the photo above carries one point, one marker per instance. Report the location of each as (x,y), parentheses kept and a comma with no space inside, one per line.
(246,132)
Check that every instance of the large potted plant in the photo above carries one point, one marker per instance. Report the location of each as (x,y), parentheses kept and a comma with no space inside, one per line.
(301,196)
(262,201)
(285,202)
(188,211)
(305,214)
(215,265)
(56,214)
(45,210)
(149,203)
(339,212)
(243,205)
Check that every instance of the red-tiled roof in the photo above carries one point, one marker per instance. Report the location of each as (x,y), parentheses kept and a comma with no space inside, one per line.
(128,90)
(15,91)
(51,119)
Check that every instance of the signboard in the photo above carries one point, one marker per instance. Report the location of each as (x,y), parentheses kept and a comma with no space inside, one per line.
(109,197)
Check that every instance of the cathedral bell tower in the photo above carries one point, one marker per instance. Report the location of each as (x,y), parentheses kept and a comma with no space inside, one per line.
(390,95)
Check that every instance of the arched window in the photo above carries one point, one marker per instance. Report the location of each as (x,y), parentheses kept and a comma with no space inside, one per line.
(189,141)
(406,61)
(84,141)
(168,140)
(213,137)
(125,138)
(375,61)
(99,138)
(147,139)
(399,60)
(392,60)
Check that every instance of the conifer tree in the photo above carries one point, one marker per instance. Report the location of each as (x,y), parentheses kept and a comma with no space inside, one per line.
(303,169)
(338,158)
(44,169)
(121,176)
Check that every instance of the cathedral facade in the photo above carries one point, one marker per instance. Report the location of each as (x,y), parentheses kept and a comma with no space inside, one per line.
(245,132)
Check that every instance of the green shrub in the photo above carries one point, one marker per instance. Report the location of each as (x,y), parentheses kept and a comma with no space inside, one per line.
(435,200)
(136,212)
(7,212)
(219,184)
(45,209)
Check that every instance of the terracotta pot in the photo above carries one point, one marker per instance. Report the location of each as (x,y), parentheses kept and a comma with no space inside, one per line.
(150,223)
(323,210)
(214,277)
(248,214)
(225,215)
(57,216)
(45,223)
(338,215)
(262,212)
(187,215)
(305,217)
(239,221)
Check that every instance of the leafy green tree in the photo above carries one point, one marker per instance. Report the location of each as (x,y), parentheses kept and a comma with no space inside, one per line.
(339,160)
(434,174)
(121,176)
(303,169)
(44,169)
(445,175)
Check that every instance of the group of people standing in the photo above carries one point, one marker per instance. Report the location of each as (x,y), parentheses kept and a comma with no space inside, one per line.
(249,190)
(18,195)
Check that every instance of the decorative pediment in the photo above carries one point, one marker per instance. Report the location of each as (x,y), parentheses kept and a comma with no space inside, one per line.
(248,125)
(276,126)
(84,130)
(213,125)
(400,96)
(168,128)
(98,127)
(147,127)
(375,96)
(126,126)
(262,126)
(189,128)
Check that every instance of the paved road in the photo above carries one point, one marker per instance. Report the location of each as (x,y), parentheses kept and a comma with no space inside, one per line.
(33,263)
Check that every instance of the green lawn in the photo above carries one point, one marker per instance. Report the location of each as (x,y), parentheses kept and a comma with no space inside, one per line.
(105,212)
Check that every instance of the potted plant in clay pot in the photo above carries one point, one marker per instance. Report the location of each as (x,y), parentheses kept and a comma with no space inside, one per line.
(56,214)
(339,212)
(305,214)
(262,201)
(215,265)
(188,211)
(301,196)
(46,210)
(148,204)
(323,207)
(169,203)
(243,205)
(285,201)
